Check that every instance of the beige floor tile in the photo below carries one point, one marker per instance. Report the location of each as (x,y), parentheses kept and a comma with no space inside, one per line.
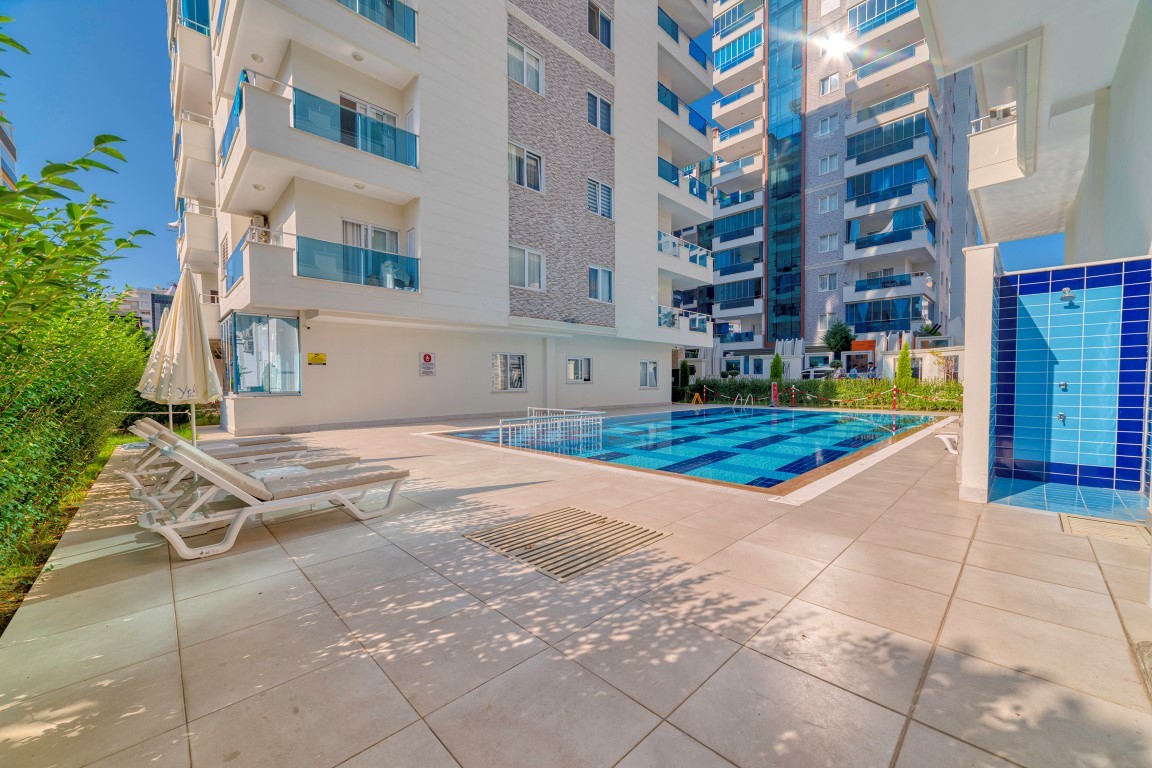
(667,747)
(355,573)
(1070,572)
(1049,542)
(380,613)
(289,526)
(323,547)
(548,710)
(1027,720)
(1137,618)
(414,747)
(672,507)
(929,521)
(226,669)
(814,545)
(1110,552)
(768,568)
(909,568)
(88,721)
(916,540)
(910,610)
(822,521)
(320,719)
(552,611)
(723,522)
(168,750)
(655,658)
(229,570)
(754,505)
(478,569)
(757,711)
(690,544)
(1070,607)
(1029,519)
(227,610)
(870,661)
(925,747)
(638,572)
(730,607)
(37,666)
(1126,583)
(1099,666)
(441,661)
(938,503)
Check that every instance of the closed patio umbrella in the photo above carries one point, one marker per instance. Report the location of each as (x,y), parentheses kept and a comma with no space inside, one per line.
(180,369)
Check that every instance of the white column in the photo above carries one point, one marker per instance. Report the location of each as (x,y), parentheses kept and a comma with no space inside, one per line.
(982,266)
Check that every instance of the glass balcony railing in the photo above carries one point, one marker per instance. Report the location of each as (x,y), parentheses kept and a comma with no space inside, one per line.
(736,234)
(873,14)
(393,15)
(740,337)
(331,121)
(675,247)
(736,95)
(233,123)
(890,193)
(669,172)
(887,326)
(727,201)
(895,102)
(673,102)
(887,281)
(737,60)
(895,236)
(892,148)
(698,188)
(884,62)
(698,54)
(351,264)
(738,303)
(736,165)
(667,24)
(725,26)
(736,269)
(736,130)
(234,266)
(669,317)
(193,24)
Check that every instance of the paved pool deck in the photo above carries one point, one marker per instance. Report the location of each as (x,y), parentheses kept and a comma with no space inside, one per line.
(881,622)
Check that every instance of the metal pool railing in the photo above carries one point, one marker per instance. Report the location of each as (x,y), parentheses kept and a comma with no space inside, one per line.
(554,430)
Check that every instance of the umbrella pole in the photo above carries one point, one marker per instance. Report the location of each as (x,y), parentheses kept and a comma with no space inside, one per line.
(193,423)
(169,417)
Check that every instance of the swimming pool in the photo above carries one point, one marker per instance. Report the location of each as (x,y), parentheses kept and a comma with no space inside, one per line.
(758,447)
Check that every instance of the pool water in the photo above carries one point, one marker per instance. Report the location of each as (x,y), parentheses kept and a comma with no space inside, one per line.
(760,447)
(1071,499)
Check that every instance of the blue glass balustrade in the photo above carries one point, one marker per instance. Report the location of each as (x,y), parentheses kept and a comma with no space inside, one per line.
(887,281)
(739,50)
(736,130)
(739,337)
(727,201)
(889,182)
(736,95)
(698,188)
(884,62)
(393,15)
(233,123)
(872,14)
(885,140)
(902,226)
(234,266)
(667,24)
(331,121)
(351,264)
(887,315)
(194,14)
(669,172)
(673,102)
(895,102)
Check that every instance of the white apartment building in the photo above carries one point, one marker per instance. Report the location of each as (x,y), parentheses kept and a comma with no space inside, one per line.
(440,209)
(148,305)
(841,180)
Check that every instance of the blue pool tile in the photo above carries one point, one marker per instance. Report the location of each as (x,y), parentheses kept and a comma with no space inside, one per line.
(696,462)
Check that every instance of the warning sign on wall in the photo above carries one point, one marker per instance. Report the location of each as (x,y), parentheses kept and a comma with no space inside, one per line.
(428,364)
(317,358)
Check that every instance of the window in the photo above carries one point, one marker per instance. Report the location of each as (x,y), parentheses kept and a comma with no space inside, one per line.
(262,354)
(507,373)
(579,370)
(600,112)
(829,203)
(600,284)
(829,163)
(886,272)
(525,65)
(648,378)
(525,168)
(828,281)
(828,125)
(599,25)
(525,268)
(824,322)
(828,242)
(830,84)
(600,198)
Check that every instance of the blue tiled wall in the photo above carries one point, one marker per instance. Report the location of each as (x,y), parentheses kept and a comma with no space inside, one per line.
(1086,359)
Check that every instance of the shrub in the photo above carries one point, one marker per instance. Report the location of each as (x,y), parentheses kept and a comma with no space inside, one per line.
(839,337)
(776,372)
(904,368)
(928,395)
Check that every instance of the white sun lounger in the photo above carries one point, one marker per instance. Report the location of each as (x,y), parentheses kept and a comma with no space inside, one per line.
(258,497)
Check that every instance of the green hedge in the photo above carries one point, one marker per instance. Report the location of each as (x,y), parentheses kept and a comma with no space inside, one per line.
(60,388)
(930,395)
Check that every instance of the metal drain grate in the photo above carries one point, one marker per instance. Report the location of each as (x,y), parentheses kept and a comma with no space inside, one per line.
(1128,533)
(566,543)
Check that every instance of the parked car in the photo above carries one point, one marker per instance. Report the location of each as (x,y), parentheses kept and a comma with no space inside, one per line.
(820,372)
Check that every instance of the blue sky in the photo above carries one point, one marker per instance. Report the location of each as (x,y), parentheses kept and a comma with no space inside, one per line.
(101,66)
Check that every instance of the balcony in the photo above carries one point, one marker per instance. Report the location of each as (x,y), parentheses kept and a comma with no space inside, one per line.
(190,84)
(194,155)
(210,311)
(890,287)
(740,140)
(745,69)
(740,105)
(686,263)
(322,260)
(891,109)
(277,133)
(902,196)
(884,30)
(738,308)
(743,175)
(682,63)
(893,153)
(733,28)
(738,202)
(890,75)
(738,237)
(687,198)
(917,244)
(739,271)
(196,238)
(683,130)
(740,340)
(383,34)
(696,325)
(993,149)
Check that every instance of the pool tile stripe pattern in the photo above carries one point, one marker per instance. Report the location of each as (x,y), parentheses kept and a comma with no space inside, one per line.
(754,447)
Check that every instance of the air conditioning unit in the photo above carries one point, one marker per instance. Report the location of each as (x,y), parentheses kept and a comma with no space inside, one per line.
(260,228)
(1002,113)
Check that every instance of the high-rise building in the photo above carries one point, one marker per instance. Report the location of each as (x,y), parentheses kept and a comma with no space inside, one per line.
(148,305)
(841,184)
(7,155)
(444,209)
